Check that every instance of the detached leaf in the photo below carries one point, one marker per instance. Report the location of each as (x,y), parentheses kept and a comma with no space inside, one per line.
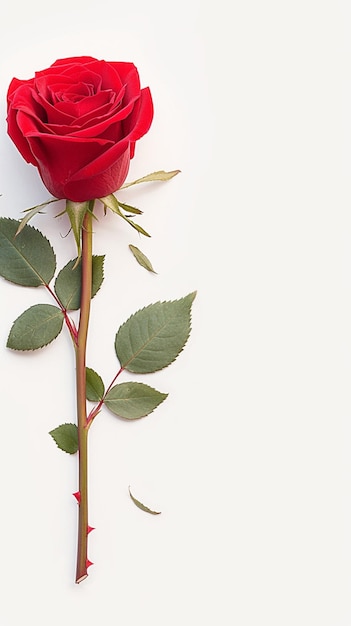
(133,400)
(66,437)
(161,175)
(95,388)
(36,327)
(141,258)
(68,282)
(142,506)
(153,337)
(26,258)
(111,202)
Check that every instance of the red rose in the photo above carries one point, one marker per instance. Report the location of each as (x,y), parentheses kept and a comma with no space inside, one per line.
(78,122)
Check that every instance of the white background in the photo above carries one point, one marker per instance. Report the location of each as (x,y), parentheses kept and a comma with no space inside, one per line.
(249,458)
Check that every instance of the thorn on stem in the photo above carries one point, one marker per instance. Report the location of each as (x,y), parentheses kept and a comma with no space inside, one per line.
(88,563)
(89,529)
(77,496)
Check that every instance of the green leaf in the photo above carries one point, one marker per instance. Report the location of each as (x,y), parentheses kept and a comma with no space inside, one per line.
(95,388)
(112,203)
(161,175)
(68,282)
(142,506)
(66,437)
(133,400)
(36,327)
(153,337)
(27,258)
(76,212)
(141,258)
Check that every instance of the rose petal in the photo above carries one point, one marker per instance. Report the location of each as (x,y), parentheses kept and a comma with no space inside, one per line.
(84,106)
(100,178)
(81,60)
(55,168)
(139,122)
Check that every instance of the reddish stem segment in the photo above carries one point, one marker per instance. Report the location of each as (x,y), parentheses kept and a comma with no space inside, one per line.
(96,410)
(69,323)
(80,350)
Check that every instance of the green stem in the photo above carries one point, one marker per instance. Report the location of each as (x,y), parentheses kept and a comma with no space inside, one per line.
(82,557)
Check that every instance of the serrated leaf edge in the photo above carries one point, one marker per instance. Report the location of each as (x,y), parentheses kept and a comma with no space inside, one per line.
(75,262)
(192,293)
(133,419)
(44,344)
(57,427)
(42,282)
(103,386)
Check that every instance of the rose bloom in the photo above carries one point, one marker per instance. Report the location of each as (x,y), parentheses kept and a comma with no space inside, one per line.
(78,122)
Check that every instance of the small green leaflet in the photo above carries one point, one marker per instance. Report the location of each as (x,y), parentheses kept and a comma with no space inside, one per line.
(66,437)
(133,400)
(36,327)
(68,282)
(161,175)
(27,258)
(153,337)
(142,506)
(95,388)
(141,258)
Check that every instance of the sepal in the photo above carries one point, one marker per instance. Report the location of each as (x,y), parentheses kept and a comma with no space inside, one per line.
(111,202)
(76,212)
(160,175)
(33,211)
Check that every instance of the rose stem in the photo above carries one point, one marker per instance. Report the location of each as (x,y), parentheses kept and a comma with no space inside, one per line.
(80,350)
